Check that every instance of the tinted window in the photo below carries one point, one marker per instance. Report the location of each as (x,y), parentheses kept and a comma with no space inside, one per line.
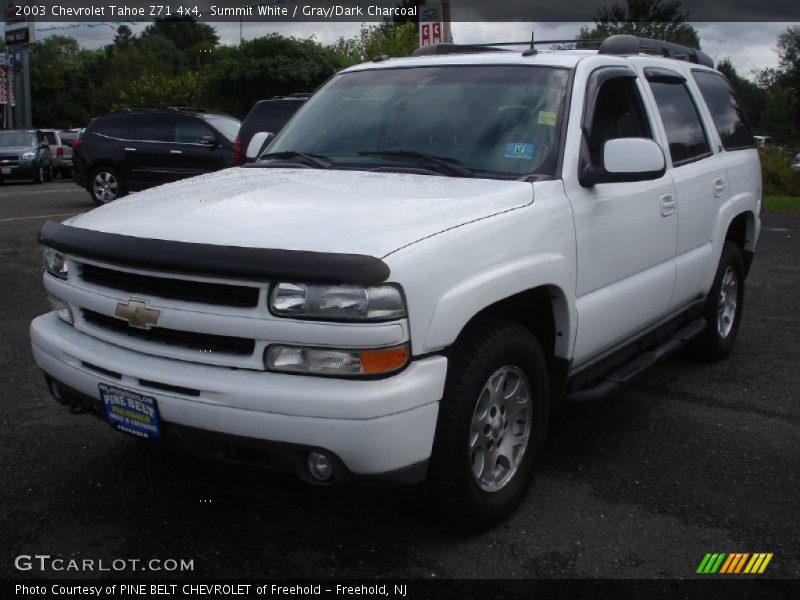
(619,113)
(155,128)
(50,137)
(9,139)
(191,131)
(271,115)
(115,127)
(685,134)
(728,114)
(227,126)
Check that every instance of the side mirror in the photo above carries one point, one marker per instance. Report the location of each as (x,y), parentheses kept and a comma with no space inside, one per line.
(208,140)
(626,160)
(258,143)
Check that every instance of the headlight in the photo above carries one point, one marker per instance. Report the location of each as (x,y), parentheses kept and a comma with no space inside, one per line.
(62,309)
(28,155)
(330,361)
(337,302)
(55,262)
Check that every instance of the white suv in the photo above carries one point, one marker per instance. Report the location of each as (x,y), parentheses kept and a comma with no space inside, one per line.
(433,253)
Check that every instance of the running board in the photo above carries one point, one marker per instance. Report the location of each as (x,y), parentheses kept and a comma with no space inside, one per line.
(638,363)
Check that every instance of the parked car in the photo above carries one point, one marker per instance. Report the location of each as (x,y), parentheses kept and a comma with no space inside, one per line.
(433,255)
(60,166)
(68,136)
(135,149)
(796,162)
(25,154)
(268,116)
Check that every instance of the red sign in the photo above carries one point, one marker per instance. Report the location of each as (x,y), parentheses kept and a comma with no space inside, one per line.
(430,33)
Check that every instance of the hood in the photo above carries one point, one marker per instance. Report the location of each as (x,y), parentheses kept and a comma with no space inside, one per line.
(16,150)
(306,209)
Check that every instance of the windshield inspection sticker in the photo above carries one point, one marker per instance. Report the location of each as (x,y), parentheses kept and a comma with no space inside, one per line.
(547,118)
(518,150)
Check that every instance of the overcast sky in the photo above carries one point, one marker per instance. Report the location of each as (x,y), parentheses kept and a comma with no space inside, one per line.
(751,46)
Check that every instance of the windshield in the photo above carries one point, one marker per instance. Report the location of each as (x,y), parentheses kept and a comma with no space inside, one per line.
(10,139)
(227,126)
(494,121)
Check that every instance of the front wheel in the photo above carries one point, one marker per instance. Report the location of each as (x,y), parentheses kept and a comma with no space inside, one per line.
(492,424)
(723,308)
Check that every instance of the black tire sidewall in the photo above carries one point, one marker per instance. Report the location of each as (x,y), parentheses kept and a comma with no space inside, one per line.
(712,344)
(516,347)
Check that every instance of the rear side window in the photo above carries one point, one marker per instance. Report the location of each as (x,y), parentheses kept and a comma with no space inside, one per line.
(155,128)
(685,133)
(114,127)
(272,116)
(191,131)
(728,114)
(50,137)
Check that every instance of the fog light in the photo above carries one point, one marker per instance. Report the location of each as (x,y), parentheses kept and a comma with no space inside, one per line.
(320,466)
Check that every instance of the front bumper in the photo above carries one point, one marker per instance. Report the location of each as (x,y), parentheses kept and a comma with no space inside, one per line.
(373,428)
(24,169)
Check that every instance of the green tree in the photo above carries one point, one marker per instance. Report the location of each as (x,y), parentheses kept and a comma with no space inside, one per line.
(58,80)
(780,113)
(261,68)
(656,19)
(160,90)
(185,32)
(375,40)
(752,97)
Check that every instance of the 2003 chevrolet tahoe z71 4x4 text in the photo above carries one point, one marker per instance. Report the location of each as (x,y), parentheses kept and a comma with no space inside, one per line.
(430,256)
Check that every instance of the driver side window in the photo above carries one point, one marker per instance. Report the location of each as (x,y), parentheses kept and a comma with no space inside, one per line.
(618,113)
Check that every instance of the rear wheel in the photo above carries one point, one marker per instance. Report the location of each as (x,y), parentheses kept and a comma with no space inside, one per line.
(105,185)
(492,424)
(723,308)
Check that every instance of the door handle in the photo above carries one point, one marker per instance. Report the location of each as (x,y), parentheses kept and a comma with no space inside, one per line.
(130,149)
(719,188)
(667,205)
(176,151)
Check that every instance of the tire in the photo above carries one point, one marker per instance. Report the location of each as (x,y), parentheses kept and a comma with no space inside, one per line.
(105,185)
(498,352)
(39,177)
(723,308)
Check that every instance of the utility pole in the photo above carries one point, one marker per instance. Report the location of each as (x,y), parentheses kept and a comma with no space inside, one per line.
(18,35)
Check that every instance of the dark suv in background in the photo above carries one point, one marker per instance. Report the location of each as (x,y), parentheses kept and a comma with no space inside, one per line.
(134,149)
(25,154)
(268,116)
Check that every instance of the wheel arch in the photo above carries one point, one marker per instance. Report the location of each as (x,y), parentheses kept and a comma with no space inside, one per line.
(742,232)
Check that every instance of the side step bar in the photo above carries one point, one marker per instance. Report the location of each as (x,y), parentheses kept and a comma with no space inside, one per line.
(638,363)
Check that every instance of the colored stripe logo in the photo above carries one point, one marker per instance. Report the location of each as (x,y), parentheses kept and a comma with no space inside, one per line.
(734,563)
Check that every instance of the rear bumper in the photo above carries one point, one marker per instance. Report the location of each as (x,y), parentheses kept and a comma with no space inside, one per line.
(373,428)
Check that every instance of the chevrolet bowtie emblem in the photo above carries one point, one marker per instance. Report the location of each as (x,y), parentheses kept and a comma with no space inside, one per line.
(137,314)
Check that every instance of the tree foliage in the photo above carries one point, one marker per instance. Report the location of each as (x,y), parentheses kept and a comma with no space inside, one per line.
(656,19)
(375,40)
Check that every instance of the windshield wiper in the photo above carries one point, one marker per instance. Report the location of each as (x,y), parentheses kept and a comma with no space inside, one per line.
(315,160)
(444,162)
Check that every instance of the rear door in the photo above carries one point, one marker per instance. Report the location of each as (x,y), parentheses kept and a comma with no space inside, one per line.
(150,159)
(699,177)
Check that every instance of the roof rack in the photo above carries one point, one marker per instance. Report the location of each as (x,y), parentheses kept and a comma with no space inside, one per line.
(630,44)
(615,44)
(133,109)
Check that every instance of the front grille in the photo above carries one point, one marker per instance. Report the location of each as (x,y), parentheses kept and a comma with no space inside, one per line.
(177,289)
(8,162)
(200,342)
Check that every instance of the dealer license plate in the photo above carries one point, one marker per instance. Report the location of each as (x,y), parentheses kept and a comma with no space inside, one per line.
(130,411)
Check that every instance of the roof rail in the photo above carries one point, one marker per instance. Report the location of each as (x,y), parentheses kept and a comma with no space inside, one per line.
(196,109)
(445,48)
(630,44)
(133,109)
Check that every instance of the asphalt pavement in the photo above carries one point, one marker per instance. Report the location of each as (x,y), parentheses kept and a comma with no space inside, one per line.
(689,458)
